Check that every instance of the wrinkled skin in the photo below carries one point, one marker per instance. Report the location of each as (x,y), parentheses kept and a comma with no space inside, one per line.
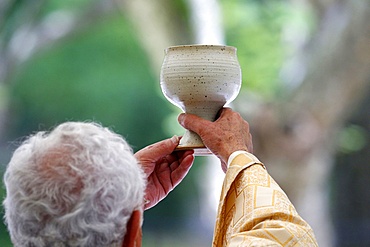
(229,133)
(164,168)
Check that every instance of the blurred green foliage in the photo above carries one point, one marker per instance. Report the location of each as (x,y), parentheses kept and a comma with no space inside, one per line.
(352,138)
(256,29)
(4,235)
(56,5)
(98,74)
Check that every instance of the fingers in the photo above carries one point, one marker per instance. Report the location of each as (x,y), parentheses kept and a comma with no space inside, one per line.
(224,111)
(192,122)
(178,156)
(180,161)
(172,169)
(181,168)
(160,149)
(229,133)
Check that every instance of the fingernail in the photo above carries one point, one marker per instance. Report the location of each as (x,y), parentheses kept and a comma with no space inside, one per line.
(181,117)
(175,139)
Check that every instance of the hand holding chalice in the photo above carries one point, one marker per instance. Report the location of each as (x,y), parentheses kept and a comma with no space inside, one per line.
(200,79)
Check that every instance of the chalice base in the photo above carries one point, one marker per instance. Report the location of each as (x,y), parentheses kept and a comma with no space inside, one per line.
(198,151)
(191,141)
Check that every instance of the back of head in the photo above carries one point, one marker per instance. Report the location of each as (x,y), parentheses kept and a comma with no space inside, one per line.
(74,186)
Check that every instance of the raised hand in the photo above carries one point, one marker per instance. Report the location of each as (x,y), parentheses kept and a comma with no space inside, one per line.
(164,168)
(229,133)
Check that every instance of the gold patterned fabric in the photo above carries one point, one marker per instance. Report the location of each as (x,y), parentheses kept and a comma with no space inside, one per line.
(255,211)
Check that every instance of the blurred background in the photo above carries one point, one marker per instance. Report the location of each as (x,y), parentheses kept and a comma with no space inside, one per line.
(306,94)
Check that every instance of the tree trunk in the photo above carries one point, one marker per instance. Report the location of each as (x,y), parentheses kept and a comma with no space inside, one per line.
(158,26)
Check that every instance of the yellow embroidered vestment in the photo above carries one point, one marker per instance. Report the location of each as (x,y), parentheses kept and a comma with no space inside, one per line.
(255,211)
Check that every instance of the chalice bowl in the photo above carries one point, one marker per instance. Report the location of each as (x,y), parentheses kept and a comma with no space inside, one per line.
(200,79)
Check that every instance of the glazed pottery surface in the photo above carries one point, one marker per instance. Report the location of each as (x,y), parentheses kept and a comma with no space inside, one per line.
(200,79)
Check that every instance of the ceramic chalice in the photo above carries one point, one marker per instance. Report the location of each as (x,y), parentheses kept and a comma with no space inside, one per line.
(200,79)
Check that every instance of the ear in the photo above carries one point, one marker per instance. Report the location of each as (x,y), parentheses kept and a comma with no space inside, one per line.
(133,233)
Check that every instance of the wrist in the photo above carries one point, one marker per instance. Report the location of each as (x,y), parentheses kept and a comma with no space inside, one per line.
(253,159)
(232,151)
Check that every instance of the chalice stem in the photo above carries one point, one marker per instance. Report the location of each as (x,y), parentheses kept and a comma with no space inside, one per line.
(191,140)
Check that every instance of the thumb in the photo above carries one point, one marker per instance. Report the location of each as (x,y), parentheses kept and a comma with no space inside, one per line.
(191,122)
(159,149)
(165,147)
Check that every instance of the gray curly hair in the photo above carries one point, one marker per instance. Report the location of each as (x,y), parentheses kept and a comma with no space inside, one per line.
(75,186)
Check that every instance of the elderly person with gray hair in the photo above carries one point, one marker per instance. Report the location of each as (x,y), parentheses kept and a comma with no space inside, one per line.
(81,185)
